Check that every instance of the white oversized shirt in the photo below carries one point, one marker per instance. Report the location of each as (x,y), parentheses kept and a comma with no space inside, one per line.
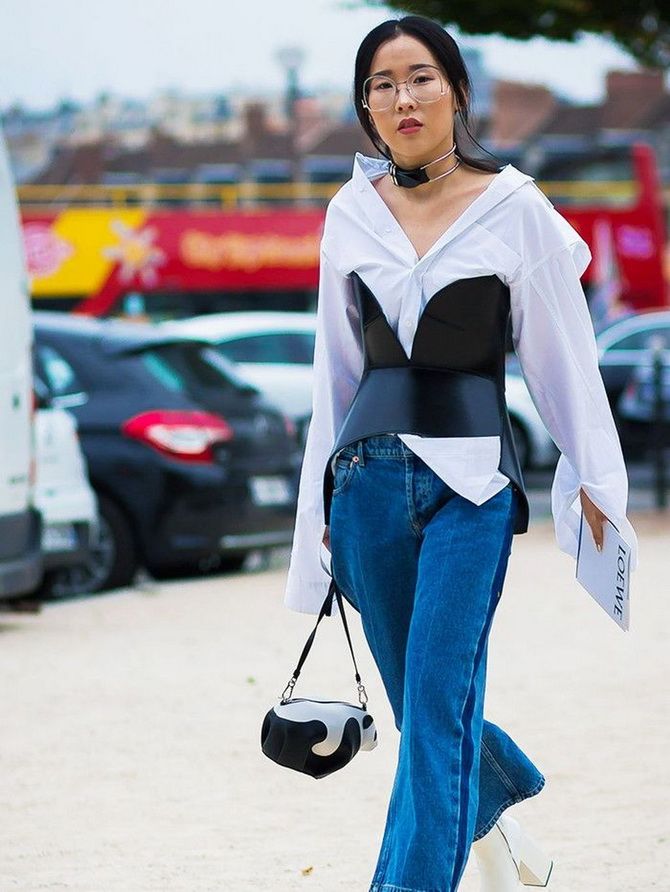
(511,230)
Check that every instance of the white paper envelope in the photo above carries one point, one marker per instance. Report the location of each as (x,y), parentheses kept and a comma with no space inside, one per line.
(605,574)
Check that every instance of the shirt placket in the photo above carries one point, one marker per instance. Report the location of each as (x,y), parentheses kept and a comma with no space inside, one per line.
(409,313)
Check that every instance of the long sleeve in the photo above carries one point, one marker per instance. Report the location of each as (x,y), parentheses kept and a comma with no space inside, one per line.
(338,367)
(554,339)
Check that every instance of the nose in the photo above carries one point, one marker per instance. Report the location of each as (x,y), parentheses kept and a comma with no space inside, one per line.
(398,99)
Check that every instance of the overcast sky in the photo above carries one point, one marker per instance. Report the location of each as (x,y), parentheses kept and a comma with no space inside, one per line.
(76,48)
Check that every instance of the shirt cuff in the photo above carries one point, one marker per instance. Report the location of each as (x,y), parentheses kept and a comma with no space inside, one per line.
(566,509)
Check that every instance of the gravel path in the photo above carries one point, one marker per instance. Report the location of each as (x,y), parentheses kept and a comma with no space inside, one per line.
(130,746)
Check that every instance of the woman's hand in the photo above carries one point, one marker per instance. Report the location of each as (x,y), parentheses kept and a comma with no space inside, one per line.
(326,538)
(594,517)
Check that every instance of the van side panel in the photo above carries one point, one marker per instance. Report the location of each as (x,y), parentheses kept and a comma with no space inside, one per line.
(20,554)
(20,524)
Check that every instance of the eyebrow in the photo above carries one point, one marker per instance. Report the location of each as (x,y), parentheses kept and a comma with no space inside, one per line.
(388,72)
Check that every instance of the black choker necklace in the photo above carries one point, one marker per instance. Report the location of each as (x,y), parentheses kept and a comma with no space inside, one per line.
(415,176)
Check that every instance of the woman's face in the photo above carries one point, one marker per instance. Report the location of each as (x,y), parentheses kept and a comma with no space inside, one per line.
(398,59)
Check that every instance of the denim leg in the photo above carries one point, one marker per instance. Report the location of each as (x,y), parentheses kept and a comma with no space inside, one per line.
(375,557)
(436,798)
(506,776)
(402,546)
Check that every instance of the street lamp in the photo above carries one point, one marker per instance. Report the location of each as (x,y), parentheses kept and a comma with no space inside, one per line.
(291,58)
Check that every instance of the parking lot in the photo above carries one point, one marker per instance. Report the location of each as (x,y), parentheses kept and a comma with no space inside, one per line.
(131,754)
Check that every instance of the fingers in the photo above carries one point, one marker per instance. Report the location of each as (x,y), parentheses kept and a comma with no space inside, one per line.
(595,518)
(598,529)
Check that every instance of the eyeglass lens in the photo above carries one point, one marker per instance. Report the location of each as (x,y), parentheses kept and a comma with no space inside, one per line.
(424,85)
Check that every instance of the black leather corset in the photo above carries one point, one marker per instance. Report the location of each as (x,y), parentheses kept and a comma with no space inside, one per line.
(453,384)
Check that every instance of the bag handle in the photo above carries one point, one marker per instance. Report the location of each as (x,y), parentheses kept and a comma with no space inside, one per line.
(326,610)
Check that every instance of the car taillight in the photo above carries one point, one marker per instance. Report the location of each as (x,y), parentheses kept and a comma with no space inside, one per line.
(187,436)
(290,427)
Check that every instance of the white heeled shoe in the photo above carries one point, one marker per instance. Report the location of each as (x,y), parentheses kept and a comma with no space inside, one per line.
(507,856)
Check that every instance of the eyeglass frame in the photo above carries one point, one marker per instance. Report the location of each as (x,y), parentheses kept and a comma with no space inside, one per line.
(398,84)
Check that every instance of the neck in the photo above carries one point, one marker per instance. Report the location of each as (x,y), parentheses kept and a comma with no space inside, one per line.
(434,167)
(423,172)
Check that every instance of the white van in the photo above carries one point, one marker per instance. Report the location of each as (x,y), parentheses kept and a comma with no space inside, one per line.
(20,522)
(64,498)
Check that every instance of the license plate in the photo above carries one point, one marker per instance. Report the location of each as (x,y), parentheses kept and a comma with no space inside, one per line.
(270,490)
(61,537)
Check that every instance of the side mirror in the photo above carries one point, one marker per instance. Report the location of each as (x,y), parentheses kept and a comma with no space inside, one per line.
(69,400)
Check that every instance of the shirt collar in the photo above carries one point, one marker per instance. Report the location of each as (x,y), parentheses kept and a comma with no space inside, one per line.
(366,168)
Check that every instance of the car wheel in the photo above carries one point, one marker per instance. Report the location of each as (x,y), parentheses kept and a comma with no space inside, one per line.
(116,554)
(112,562)
(66,582)
(521,443)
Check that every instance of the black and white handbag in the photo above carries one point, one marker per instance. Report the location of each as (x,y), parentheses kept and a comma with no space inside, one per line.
(317,737)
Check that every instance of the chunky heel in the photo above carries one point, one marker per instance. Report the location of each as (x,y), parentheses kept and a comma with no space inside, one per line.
(533,864)
(507,856)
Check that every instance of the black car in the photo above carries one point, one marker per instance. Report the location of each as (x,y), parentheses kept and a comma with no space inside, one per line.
(191,464)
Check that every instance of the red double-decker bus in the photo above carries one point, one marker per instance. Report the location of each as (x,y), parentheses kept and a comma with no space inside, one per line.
(165,252)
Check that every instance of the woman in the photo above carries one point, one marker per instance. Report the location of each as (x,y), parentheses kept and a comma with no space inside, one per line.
(426,256)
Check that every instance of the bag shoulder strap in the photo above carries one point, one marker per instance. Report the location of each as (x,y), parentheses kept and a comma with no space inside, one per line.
(326,610)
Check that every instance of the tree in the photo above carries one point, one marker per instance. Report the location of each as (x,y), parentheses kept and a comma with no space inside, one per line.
(641,27)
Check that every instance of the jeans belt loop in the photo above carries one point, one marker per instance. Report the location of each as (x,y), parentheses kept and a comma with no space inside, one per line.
(359,452)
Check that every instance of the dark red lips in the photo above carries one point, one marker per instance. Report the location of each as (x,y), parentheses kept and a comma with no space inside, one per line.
(409,122)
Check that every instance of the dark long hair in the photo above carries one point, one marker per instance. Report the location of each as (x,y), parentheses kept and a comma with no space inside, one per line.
(447,53)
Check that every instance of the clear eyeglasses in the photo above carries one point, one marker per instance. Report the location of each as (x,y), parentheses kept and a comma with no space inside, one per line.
(424,85)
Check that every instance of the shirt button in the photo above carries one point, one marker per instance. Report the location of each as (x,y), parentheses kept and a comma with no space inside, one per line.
(387,229)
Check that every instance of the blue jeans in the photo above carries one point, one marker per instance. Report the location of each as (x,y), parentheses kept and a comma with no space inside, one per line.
(425,567)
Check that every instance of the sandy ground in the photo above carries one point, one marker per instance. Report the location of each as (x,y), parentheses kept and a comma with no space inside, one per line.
(130,746)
